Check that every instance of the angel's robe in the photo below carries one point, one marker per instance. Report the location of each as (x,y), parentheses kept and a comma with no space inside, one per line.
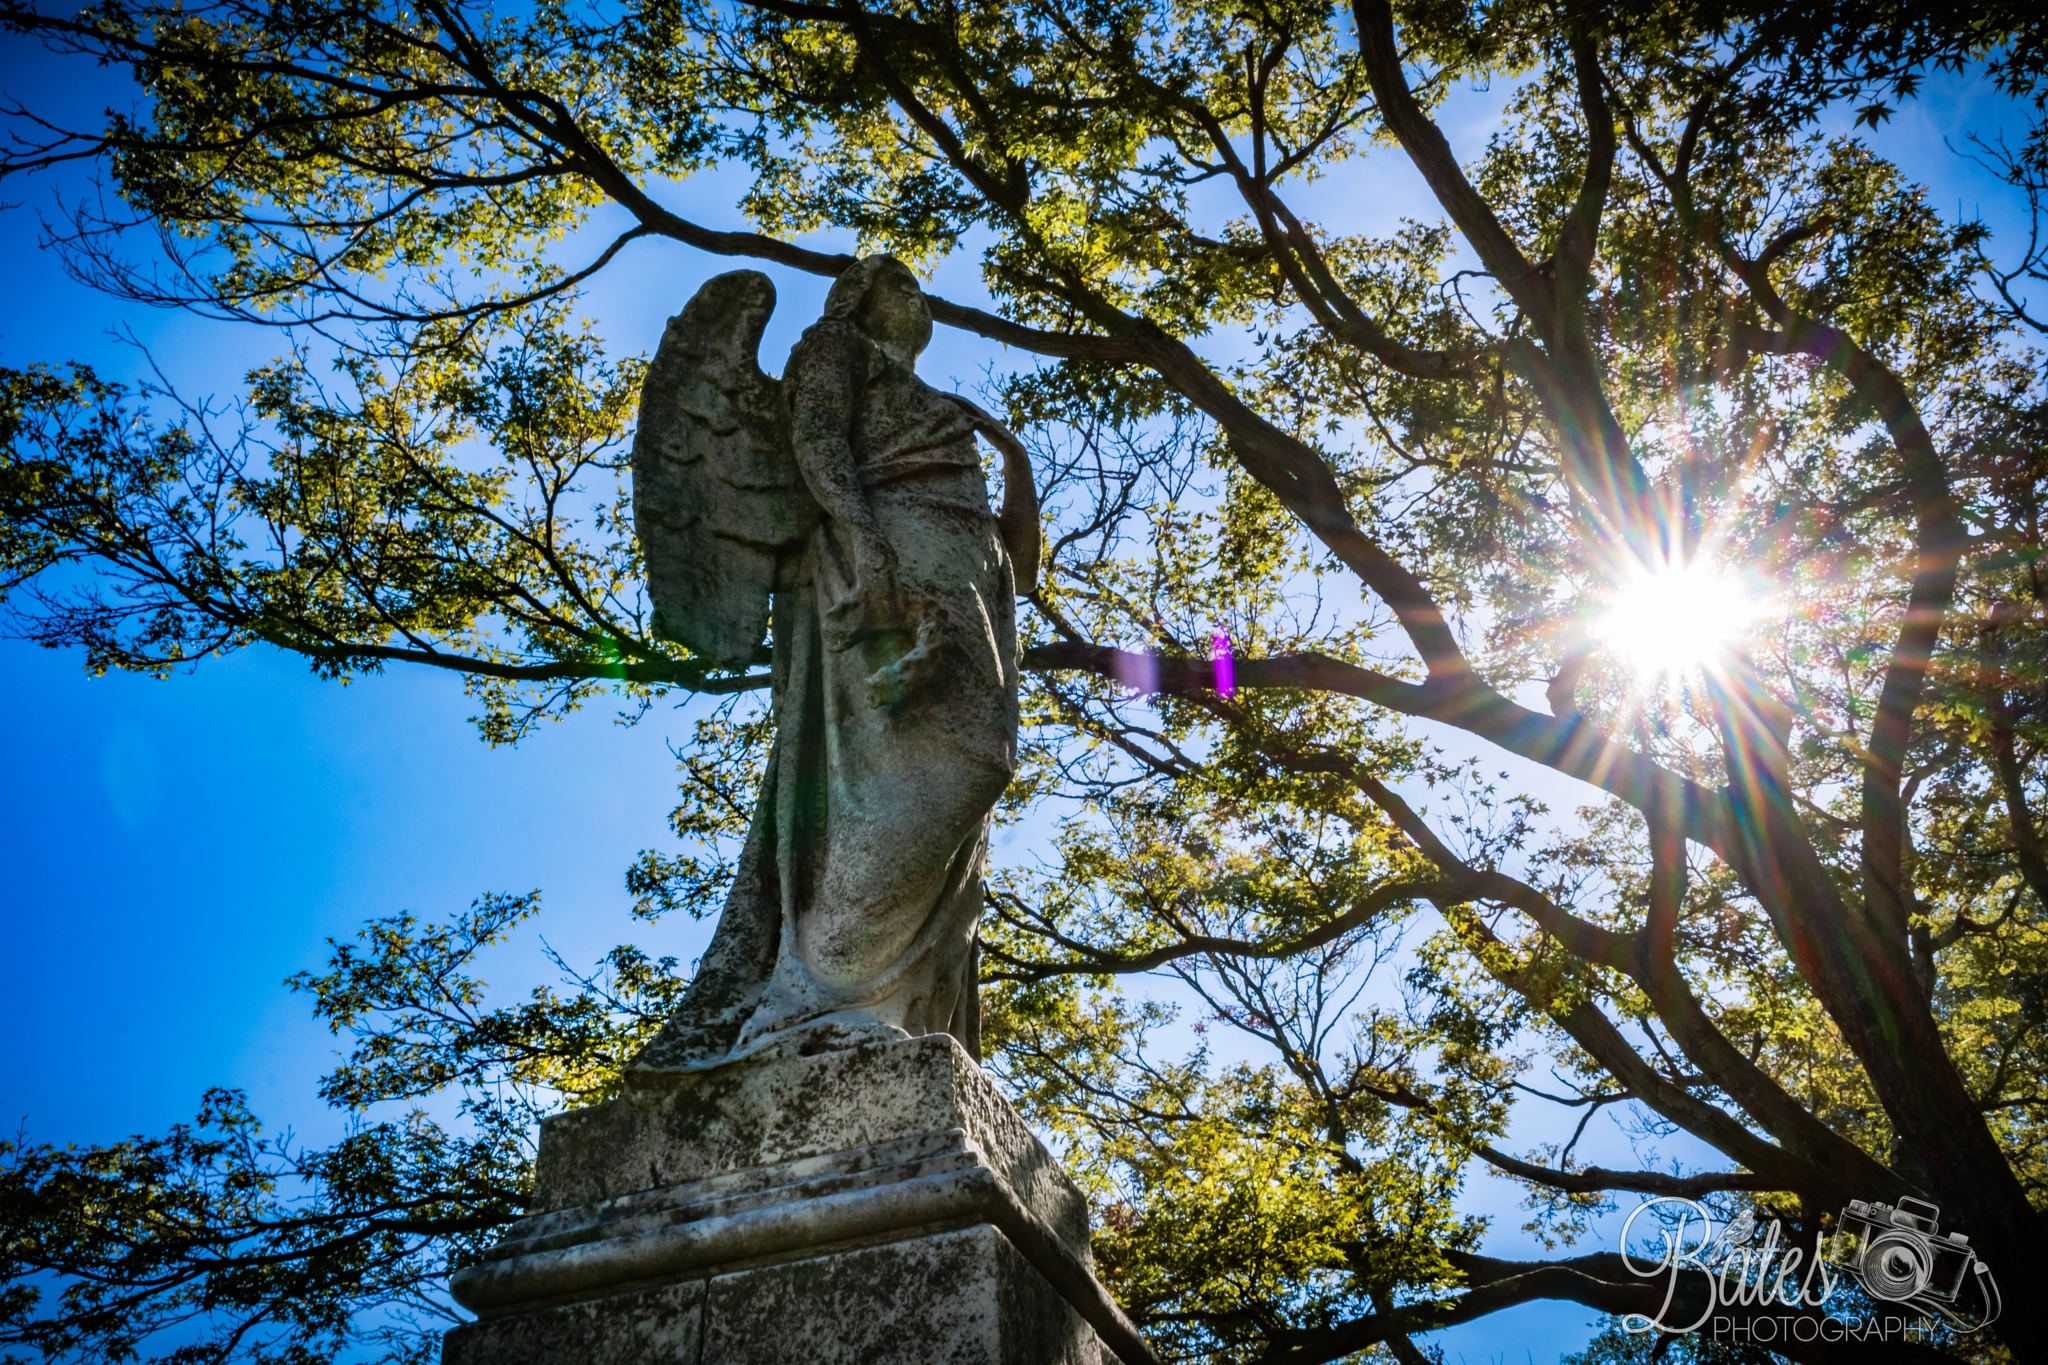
(854,908)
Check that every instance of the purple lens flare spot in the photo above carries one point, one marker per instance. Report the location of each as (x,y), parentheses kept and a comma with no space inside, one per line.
(1226,665)
(1139,672)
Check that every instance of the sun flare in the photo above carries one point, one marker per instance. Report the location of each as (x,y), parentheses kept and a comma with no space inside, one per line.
(1675,618)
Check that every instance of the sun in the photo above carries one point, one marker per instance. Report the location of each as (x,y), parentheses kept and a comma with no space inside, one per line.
(1675,618)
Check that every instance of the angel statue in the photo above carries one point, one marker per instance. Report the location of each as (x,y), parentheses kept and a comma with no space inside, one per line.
(850,496)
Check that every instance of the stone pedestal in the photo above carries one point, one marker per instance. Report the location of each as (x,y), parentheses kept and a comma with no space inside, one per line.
(878,1205)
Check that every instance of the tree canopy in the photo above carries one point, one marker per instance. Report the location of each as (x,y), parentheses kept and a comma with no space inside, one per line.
(1685,451)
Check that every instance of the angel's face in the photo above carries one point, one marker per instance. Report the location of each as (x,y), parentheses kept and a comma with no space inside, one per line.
(895,315)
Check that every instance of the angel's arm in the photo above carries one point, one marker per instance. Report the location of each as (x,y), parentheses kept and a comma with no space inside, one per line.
(1018,521)
(826,373)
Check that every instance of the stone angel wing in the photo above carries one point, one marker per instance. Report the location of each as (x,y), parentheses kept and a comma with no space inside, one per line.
(717,498)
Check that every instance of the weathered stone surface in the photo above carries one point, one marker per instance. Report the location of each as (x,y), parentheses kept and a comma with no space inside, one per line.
(653,1327)
(893,1171)
(959,1297)
(749,1120)
(966,1296)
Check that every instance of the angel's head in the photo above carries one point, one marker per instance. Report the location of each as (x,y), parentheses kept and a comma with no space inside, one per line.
(880,295)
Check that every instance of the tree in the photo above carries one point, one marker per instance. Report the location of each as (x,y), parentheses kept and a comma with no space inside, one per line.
(1670,355)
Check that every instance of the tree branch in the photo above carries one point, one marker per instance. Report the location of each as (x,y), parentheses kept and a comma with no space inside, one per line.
(1572,745)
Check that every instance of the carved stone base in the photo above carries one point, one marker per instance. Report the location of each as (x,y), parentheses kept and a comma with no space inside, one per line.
(963,1296)
(879,1204)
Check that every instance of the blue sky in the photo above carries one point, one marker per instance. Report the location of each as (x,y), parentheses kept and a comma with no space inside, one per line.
(174,850)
